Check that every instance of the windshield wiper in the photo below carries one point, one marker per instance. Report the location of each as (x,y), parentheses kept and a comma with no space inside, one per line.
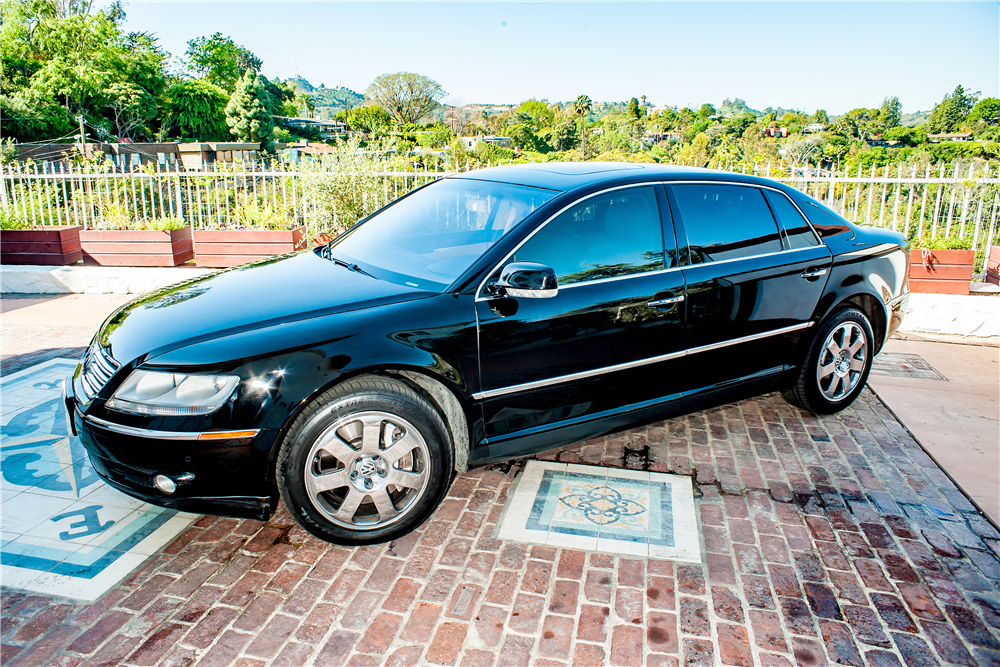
(349,266)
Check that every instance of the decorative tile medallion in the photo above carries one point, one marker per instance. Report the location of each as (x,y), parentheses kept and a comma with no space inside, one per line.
(603,509)
(897,364)
(62,530)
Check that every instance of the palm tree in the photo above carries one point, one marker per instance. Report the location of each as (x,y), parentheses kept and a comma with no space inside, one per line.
(305,101)
(582,107)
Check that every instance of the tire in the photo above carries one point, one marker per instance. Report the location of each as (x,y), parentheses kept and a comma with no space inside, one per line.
(366,462)
(831,378)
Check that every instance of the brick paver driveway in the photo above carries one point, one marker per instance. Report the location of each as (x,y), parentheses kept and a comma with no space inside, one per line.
(833,540)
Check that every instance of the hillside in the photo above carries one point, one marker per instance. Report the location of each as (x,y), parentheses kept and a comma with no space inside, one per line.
(736,106)
(328,100)
(914,119)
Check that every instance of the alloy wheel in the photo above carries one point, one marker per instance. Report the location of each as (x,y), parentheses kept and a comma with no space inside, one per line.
(367,470)
(842,361)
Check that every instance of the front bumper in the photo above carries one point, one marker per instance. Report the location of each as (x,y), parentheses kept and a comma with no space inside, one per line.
(213,475)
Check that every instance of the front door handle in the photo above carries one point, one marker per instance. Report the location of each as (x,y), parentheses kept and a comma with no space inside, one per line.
(660,303)
(813,274)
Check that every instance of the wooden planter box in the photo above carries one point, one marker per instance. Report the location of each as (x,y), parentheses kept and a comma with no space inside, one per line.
(950,272)
(231,247)
(137,248)
(993,266)
(55,245)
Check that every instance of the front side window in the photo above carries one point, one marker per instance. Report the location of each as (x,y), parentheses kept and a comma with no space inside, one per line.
(610,235)
(725,221)
(430,238)
(797,230)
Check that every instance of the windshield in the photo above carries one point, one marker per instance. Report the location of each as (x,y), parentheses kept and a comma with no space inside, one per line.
(428,239)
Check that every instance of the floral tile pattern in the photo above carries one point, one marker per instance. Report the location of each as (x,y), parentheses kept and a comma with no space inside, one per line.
(601,509)
(62,530)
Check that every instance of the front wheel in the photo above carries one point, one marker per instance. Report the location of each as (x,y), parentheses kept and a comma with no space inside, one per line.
(837,366)
(365,462)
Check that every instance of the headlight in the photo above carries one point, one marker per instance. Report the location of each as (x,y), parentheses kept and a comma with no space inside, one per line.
(155,393)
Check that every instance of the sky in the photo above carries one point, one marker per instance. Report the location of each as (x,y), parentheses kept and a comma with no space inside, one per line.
(798,55)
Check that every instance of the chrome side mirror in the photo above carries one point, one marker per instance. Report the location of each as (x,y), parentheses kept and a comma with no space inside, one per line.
(526,280)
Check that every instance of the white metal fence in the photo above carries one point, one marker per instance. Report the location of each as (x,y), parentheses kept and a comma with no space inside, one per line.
(959,200)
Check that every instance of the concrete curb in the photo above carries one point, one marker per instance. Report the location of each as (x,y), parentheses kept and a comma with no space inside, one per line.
(92,279)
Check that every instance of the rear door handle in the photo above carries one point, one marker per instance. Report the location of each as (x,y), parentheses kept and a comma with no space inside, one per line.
(813,274)
(659,303)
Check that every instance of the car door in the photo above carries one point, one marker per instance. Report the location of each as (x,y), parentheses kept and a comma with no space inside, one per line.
(615,323)
(752,287)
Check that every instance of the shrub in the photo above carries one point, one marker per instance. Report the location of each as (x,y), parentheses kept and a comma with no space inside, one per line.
(941,243)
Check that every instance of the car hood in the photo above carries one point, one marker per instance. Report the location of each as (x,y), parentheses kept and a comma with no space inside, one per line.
(273,291)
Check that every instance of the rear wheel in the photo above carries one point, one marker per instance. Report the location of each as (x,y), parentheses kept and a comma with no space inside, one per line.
(837,366)
(366,462)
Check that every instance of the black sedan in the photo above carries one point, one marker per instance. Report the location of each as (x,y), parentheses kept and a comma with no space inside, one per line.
(484,316)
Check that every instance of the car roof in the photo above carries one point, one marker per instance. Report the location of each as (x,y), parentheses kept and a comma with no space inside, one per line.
(566,176)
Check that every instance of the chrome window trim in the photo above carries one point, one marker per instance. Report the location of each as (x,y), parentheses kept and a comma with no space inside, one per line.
(538,384)
(763,254)
(479,290)
(149,433)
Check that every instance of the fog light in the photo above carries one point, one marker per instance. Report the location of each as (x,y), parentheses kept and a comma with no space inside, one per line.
(164,483)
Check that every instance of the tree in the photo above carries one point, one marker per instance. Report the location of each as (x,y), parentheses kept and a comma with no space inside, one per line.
(821,117)
(986,110)
(406,96)
(248,113)
(370,119)
(564,136)
(305,104)
(196,110)
(633,111)
(706,111)
(951,111)
(220,60)
(130,107)
(59,60)
(522,136)
(536,114)
(890,113)
(581,107)
(800,151)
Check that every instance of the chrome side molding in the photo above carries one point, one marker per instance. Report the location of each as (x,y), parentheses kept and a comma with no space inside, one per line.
(582,375)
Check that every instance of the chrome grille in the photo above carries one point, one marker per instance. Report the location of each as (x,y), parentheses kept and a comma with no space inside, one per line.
(98,367)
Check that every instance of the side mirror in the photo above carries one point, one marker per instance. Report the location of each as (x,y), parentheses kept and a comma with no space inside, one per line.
(527,280)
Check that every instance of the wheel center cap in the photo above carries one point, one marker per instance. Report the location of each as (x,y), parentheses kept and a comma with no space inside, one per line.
(843,365)
(368,472)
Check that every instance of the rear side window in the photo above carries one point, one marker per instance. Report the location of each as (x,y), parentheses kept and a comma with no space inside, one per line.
(826,222)
(726,221)
(606,236)
(796,228)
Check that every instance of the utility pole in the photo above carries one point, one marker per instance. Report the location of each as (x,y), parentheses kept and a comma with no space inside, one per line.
(83,147)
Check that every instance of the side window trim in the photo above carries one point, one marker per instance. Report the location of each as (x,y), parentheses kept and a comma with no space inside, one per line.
(671,250)
(784,232)
(649,184)
(683,252)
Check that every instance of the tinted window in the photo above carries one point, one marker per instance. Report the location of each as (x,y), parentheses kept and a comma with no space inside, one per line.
(726,221)
(825,221)
(429,238)
(796,228)
(611,235)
